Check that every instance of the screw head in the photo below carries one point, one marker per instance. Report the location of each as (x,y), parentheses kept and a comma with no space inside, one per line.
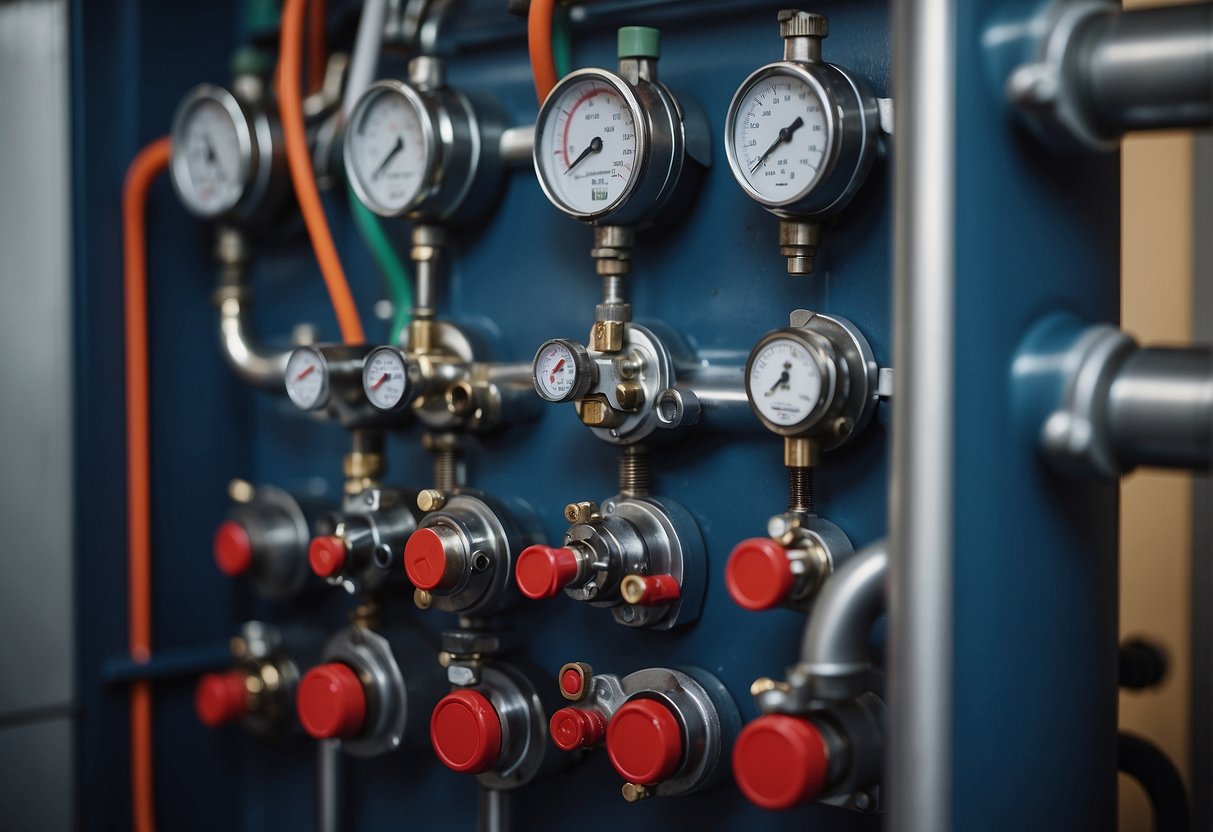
(794,23)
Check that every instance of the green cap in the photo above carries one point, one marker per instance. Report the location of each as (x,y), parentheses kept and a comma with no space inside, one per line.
(249,60)
(262,16)
(639,42)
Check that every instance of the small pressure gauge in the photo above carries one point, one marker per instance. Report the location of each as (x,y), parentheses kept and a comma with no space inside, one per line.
(421,150)
(307,378)
(223,154)
(563,371)
(386,379)
(612,147)
(817,378)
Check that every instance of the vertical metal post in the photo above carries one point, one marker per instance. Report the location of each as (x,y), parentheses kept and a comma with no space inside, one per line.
(328,786)
(494,811)
(920,503)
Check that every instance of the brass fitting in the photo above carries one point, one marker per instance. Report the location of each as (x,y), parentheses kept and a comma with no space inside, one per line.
(596,412)
(431,499)
(607,336)
(422,599)
(362,471)
(630,395)
(634,792)
(582,513)
(800,452)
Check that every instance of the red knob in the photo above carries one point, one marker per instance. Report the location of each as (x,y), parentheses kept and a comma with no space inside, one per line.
(425,559)
(466,732)
(326,555)
(233,548)
(758,574)
(780,761)
(220,698)
(573,728)
(572,681)
(644,742)
(542,571)
(331,702)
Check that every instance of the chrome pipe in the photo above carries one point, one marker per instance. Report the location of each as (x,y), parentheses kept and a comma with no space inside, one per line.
(516,145)
(252,362)
(1160,409)
(328,786)
(494,811)
(365,58)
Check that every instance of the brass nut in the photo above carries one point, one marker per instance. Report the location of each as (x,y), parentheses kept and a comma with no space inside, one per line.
(596,413)
(630,395)
(585,512)
(584,674)
(633,792)
(363,466)
(801,452)
(431,499)
(422,599)
(607,336)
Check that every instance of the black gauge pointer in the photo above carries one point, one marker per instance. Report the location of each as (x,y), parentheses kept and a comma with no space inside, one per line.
(783,379)
(387,160)
(785,135)
(212,158)
(595,146)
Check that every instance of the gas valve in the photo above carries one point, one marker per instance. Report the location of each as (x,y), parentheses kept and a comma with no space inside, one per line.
(461,556)
(667,732)
(788,567)
(831,756)
(264,539)
(372,690)
(642,557)
(493,723)
(259,689)
(354,548)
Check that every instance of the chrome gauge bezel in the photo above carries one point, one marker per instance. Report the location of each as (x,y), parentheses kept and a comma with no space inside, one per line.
(406,396)
(246,141)
(427,117)
(582,365)
(809,75)
(322,398)
(818,349)
(641,121)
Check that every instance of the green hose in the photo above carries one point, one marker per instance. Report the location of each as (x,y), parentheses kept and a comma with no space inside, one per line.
(395,275)
(562,44)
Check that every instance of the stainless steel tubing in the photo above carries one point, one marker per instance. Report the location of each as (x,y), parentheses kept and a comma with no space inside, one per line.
(494,810)
(1160,409)
(328,786)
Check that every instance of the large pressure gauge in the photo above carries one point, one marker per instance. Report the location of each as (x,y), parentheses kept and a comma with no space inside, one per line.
(816,379)
(614,147)
(421,150)
(223,155)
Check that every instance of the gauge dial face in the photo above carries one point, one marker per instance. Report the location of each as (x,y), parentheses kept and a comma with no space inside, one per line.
(588,147)
(557,373)
(307,379)
(784,382)
(780,138)
(385,378)
(388,149)
(210,142)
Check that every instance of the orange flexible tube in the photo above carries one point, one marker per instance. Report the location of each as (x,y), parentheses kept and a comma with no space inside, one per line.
(299,160)
(539,42)
(150,163)
(317,43)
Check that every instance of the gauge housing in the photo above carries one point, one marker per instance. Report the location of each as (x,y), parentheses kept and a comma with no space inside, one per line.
(852,123)
(584,369)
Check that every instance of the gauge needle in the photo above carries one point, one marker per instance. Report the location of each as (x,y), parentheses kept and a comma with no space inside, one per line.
(383,378)
(595,146)
(391,154)
(785,135)
(555,370)
(783,379)
(311,368)
(212,157)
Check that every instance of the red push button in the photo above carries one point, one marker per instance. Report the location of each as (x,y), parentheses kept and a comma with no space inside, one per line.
(425,559)
(758,574)
(644,742)
(572,681)
(220,698)
(573,728)
(542,571)
(780,761)
(331,702)
(233,549)
(326,555)
(466,732)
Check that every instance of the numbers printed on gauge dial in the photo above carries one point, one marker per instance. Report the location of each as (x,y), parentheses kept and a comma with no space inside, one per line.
(589,148)
(209,166)
(780,137)
(307,379)
(385,378)
(785,382)
(388,155)
(562,371)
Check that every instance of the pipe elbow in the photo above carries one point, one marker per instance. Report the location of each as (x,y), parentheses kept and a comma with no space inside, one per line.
(252,363)
(834,652)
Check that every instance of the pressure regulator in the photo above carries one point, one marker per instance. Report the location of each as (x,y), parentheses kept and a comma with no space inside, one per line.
(422,150)
(226,160)
(801,136)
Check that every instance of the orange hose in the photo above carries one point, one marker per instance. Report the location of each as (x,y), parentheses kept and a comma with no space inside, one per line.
(290,102)
(317,43)
(539,42)
(150,163)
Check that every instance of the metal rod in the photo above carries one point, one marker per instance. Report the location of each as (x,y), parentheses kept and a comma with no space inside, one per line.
(1160,409)
(517,144)
(253,363)
(494,811)
(921,606)
(365,58)
(328,786)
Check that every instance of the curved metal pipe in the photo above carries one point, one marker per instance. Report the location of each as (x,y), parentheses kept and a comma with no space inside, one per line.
(252,362)
(834,652)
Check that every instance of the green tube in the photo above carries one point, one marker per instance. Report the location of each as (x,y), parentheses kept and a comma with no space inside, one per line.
(395,275)
(562,44)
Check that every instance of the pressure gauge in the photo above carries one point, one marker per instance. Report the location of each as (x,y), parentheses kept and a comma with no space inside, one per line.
(614,147)
(563,371)
(801,137)
(307,378)
(386,379)
(422,150)
(817,378)
(223,154)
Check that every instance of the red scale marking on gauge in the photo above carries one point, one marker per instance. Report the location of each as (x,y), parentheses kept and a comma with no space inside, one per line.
(568,122)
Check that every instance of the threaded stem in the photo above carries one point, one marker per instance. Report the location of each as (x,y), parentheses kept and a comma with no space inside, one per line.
(446,470)
(800,491)
(635,472)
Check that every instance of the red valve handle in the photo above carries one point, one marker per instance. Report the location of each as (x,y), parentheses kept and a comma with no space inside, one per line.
(233,549)
(220,698)
(542,571)
(573,728)
(644,742)
(331,702)
(326,555)
(466,732)
(758,574)
(780,761)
